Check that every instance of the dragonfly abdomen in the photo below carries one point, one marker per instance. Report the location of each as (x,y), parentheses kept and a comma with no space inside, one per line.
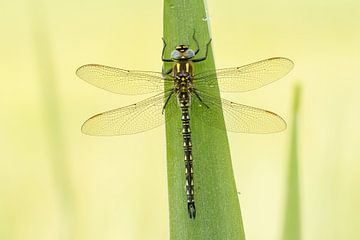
(187,145)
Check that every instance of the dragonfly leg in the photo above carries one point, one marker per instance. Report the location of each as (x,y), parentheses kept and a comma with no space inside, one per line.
(197,44)
(206,53)
(198,97)
(166,102)
(163,52)
(166,72)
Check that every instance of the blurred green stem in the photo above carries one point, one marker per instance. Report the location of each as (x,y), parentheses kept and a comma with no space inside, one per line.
(292,221)
(53,125)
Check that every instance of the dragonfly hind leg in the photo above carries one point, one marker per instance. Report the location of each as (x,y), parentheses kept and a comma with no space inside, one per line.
(201,101)
(166,102)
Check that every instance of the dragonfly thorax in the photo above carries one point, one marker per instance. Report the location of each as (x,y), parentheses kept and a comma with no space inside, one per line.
(183,76)
(183,85)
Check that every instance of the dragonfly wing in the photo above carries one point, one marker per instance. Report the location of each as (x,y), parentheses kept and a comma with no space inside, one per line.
(247,77)
(238,117)
(131,119)
(121,81)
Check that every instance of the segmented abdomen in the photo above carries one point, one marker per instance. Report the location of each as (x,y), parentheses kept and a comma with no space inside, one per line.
(187,145)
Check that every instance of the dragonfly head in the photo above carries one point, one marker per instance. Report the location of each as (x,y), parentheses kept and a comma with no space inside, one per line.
(182,52)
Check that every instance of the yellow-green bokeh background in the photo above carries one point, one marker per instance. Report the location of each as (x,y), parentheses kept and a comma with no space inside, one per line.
(119,184)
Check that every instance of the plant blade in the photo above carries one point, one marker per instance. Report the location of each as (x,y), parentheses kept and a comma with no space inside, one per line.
(218,211)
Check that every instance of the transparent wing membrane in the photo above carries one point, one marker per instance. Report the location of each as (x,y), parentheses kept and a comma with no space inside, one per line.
(245,78)
(131,119)
(238,79)
(238,117)
(148,113)
(122,81)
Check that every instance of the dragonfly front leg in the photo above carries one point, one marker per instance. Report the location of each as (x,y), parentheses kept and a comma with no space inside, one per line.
(206,53)
(163,52)
(197,44)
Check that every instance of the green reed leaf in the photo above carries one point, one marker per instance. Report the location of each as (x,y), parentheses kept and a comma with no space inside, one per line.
(218,211)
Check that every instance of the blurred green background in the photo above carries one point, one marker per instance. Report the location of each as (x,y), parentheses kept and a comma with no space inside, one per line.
(56,183)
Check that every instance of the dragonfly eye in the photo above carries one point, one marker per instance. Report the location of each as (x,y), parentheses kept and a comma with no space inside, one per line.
(176,54)
(189,53)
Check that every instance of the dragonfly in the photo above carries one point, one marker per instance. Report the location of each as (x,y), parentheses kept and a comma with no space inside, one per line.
(188,93)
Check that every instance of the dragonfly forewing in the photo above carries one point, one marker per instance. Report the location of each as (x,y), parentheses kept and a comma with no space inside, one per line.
(245,78)
(122,81)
